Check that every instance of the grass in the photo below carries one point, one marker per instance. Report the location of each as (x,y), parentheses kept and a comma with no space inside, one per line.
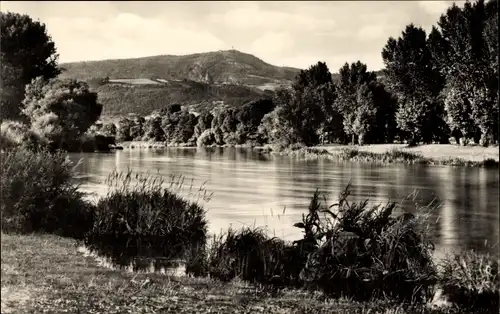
(249,254)
(46,274)
(471,280)
(449,155)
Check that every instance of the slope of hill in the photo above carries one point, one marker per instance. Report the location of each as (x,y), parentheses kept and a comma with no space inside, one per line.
(121,98)
(221,67)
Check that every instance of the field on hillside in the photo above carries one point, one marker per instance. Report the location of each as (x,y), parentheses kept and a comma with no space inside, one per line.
(142,98)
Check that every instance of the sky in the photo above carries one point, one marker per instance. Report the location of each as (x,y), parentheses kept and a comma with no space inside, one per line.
(295,33)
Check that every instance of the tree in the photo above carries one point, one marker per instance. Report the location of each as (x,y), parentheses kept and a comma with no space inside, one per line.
(11,91)
(185,126)
(296,117)
(416,82)
(384,129)
(123,130)
(316,75)
(250,116)
(26,52)
(109,129)
(466,48)
(204,123)
(60,111)
(153,130)
(355,100)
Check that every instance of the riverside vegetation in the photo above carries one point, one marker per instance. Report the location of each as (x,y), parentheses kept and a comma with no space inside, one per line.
(362,256)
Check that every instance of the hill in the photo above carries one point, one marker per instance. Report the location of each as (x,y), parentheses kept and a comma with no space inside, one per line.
(142,85)
(221,67)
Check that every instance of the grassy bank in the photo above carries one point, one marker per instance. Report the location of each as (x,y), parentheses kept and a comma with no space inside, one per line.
(45,273)
(435,154)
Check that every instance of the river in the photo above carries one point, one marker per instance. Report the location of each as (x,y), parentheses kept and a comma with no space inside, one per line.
(253,189)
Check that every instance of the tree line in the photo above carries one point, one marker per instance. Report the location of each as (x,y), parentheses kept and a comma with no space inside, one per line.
(435,86)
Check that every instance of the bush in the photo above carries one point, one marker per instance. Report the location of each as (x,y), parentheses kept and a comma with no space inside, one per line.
(142,218)
(206,138)
(471,280)
(39,195)
(364,252)
(12,134)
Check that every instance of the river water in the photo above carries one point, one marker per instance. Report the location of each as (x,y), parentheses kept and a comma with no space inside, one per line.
(253,189)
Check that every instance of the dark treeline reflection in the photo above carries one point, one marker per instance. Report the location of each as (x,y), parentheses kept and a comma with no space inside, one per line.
(255,189)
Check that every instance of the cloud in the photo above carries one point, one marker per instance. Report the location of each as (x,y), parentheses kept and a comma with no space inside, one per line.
(371,32)
(273,43)
(126,35)
(250,15)
(435,7)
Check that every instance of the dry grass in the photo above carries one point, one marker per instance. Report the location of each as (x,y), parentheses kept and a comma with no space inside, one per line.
(44,273)
(446,155)
(433,151)
(472,280)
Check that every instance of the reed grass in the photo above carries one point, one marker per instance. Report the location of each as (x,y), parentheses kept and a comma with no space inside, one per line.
(471,280)
(141,216)
(392,156)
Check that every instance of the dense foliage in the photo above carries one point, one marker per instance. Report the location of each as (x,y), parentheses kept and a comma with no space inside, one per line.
(39,194)
(26,52)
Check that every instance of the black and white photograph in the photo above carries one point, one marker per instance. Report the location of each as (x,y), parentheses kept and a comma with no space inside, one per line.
(274,157)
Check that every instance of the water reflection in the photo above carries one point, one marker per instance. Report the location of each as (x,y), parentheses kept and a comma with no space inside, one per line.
(251,188)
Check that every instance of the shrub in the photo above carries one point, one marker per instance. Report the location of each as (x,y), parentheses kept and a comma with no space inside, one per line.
(139,217)
(12,134)
(39,195)
(364,252)
(206,138)
(471,280)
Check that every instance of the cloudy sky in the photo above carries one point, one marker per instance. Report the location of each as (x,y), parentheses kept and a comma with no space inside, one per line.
(295,34)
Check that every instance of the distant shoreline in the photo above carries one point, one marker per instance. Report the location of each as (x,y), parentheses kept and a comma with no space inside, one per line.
(432,154)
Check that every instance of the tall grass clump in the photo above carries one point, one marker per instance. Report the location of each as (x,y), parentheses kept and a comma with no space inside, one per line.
(39,194)
(471,280)
(364,252)
(391,156)
(141,217)
(249,254)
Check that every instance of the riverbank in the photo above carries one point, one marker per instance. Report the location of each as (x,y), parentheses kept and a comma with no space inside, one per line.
(434,154)
(146,144)
(45,273)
